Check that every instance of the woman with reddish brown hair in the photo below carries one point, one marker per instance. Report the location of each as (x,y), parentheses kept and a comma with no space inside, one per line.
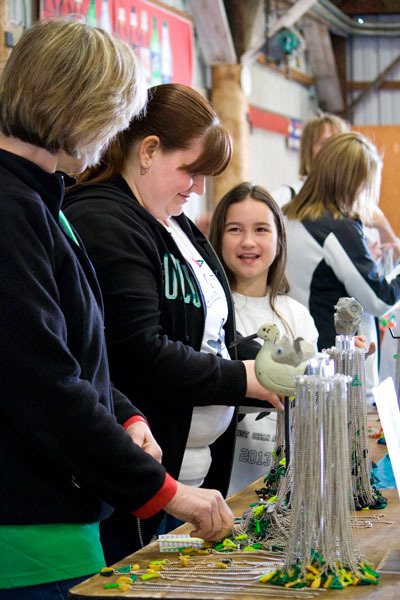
(169,315)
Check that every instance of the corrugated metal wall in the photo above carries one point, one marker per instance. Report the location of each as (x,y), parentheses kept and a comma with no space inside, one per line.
(367,57)
(272,163)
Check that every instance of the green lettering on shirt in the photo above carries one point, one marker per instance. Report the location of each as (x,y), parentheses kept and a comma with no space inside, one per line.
(179,276)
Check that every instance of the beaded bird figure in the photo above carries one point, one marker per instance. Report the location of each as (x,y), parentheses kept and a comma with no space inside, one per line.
(280,360)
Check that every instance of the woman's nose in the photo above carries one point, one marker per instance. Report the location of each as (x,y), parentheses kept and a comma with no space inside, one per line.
(199,184)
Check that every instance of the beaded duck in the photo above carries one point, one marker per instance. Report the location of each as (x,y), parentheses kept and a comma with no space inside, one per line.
(280,360)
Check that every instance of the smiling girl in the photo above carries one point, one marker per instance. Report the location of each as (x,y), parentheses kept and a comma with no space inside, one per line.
(248,235)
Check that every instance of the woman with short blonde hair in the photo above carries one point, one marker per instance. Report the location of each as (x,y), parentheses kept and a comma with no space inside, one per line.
(72,446)
(47,103)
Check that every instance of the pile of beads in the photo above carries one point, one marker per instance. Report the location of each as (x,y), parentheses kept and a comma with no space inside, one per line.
(314,575)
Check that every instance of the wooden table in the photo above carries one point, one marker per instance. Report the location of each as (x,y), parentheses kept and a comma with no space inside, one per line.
(374,543)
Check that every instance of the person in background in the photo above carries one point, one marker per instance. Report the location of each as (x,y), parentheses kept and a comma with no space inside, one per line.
(328,254)
(168,308)
(248,235)
(71,445)
(313,136)
(315,133)
(381,236)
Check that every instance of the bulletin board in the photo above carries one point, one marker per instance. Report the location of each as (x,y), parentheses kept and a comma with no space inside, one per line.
(161,36)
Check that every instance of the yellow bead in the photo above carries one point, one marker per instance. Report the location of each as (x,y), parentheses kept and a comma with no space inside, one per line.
(312,569)
(227,543)
(187,550)
(184,560)
(267,577)
(107,571)
(148,576)
(124,579)
(316,583)
(155,568)
(290,584)
(124,587)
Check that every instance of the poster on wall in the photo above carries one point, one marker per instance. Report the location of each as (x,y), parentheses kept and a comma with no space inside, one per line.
(161,37)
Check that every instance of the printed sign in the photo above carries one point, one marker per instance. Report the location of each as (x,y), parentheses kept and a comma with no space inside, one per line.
(162,39)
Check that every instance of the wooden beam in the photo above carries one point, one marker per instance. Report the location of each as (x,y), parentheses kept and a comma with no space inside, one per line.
(247,22)
(213,30)
(362,85)
(288,72)
(375,84)
(339,46)
(4,23)
(368,7)
(231,105)
(323,66)
(290,18)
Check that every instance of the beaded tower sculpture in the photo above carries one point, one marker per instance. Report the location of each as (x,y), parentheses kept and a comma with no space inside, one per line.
(350,360)
(314,526)
(321,549)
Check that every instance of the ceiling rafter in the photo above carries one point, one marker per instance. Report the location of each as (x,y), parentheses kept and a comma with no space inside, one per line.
(368,7)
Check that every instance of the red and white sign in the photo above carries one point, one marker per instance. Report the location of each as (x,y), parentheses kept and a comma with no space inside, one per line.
(162,38)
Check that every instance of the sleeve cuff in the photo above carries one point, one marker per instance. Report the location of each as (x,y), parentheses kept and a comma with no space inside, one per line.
(157,502)
(132,420)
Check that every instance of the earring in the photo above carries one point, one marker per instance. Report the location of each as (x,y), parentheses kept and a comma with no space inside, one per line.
(144,170)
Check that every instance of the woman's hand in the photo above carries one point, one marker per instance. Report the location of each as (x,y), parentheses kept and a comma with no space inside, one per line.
(142,436)
(205,509)
(360,342)
(256,390)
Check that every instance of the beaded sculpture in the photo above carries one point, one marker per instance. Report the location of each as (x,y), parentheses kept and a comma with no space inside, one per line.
(309,518)
(321,549)
(350,361)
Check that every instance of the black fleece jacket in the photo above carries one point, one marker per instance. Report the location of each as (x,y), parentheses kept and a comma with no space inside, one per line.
(155,319)
(62,448)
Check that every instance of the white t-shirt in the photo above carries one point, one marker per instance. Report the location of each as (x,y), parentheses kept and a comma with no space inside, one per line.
(252,312)
(256,433)
(208,422)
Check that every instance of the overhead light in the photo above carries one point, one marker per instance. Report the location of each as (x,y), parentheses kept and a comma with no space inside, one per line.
(360,20)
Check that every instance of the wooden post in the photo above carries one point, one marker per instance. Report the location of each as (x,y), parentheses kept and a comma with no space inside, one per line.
(3,29)
(231,104)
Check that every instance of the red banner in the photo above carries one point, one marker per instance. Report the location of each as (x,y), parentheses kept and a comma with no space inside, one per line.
(162,39)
